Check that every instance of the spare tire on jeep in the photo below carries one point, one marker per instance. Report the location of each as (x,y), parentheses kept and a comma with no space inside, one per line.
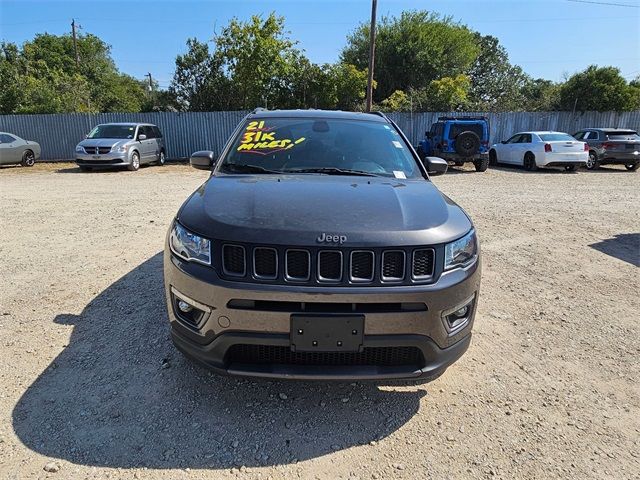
(467,143)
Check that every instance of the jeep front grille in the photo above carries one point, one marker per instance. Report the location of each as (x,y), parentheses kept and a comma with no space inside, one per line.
(316,266)
(281,355)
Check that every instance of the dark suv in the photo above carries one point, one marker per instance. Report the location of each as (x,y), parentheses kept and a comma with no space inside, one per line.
(611,146)
(458,140)
(319,249)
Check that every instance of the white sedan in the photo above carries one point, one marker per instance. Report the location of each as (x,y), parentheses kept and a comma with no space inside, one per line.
(540,149)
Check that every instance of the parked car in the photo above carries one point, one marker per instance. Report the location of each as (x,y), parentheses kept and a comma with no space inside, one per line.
(14,150)
(121,144)
(458,140)
(540,149)
(301,256)
(611,146)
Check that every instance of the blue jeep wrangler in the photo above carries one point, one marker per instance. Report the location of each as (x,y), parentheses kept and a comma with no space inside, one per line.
(458,140)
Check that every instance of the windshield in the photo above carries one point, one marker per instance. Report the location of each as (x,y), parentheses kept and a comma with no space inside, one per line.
(326,146)
(556,137)
(623,136)
(113,131)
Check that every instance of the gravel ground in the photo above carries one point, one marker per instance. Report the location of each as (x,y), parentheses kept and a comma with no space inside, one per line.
(91,387)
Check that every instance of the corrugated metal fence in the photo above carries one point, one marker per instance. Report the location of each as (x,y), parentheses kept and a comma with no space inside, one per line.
(188,132)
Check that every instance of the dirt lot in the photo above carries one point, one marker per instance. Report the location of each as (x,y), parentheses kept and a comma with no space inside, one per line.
(91,387)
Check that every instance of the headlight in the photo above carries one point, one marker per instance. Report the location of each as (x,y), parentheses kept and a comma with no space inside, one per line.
(79,149)
(189,246)
(461,252)
(122,149)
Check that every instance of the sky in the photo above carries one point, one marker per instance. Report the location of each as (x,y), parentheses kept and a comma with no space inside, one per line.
(547,38)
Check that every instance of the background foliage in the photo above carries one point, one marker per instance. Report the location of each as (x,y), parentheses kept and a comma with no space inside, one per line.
(424,62)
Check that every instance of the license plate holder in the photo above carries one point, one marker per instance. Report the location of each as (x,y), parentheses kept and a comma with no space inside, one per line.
(327,333)
(96,157)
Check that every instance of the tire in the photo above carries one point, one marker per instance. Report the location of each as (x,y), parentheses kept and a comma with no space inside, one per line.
(530,162)
(135,162)
(592,161)
(632,167)
(493,158)
(569,168)
(467,143)
(481,165)
(161,159)
(28,159)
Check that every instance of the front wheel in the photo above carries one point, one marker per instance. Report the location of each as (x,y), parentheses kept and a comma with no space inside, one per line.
(135,162)
(28,159)
(632,167)
(493,158)
(592,161)
(481,165)
(530,162)
(161,159)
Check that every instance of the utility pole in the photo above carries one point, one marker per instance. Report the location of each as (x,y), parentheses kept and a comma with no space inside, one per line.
(75,41)
(372,53)
(150,82)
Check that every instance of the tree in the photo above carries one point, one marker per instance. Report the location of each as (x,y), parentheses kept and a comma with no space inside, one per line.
(600,89)
(540,95)
(42,77)
(496,84)
(412,50)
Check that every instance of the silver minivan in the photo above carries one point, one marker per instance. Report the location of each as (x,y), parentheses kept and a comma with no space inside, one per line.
(121,144)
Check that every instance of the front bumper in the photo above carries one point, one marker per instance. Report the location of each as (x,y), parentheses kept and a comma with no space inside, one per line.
(111,159)
(226,323)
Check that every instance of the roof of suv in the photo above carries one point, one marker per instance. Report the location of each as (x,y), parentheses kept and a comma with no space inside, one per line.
(129,124)
(335,114)
(600,129)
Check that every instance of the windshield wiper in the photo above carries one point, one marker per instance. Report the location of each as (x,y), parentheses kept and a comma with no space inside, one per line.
(332,171)
(244,168)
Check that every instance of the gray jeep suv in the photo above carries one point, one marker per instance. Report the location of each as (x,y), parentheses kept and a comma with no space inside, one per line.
(121,144)
(319,249)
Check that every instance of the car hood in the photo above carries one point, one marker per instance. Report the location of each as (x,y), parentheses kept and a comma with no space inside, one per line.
(294,210)
(103,142)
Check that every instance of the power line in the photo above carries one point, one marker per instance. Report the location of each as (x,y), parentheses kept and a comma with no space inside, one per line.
(612,4)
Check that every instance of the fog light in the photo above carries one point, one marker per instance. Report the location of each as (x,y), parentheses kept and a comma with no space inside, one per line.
(184,306)
(456,318)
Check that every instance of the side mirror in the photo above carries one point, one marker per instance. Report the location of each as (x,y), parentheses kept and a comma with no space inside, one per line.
(435,166)
(142,136)
(203,160)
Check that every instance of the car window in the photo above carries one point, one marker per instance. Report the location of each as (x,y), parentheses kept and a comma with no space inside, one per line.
(515,138)
(148,131)
(525,138)
(284,145)
(157,132)
(456,129)
(630,135)
(4,138)
(580,135)
(556,137)
(112,131)
(592,135)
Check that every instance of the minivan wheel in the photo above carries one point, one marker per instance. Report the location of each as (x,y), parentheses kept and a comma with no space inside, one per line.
(135,162)
(632,167)
(161,158)
(592,161)
(530,162)
(28,159)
